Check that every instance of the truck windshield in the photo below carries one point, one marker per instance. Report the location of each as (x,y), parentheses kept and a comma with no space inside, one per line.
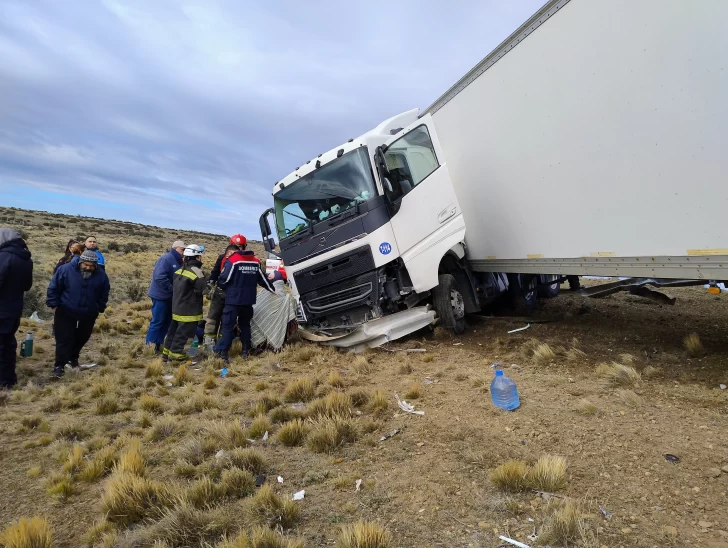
(324,193)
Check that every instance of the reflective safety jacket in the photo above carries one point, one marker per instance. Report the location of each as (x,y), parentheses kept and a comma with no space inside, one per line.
(188,287)
(241,275)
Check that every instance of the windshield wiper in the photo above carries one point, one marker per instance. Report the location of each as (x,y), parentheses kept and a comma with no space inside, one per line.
(308,222)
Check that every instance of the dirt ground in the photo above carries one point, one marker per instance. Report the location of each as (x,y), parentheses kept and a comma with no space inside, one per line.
(429,484)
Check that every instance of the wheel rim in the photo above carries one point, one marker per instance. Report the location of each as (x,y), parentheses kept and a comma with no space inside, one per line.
(532,285)
(457,303)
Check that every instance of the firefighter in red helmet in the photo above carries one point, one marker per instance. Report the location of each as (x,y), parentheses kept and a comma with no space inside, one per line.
(216,295)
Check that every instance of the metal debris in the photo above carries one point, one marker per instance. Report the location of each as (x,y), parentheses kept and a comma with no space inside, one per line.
(606,513)
(513,542)
(671,458)
(519,329)
(407,407)
(392,433)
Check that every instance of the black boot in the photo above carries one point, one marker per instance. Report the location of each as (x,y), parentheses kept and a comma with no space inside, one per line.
(58,371)
(157,349)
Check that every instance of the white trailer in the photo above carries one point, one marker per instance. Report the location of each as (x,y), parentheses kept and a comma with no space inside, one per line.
(591,142)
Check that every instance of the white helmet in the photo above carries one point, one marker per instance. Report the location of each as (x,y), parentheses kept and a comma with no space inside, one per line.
(193,250)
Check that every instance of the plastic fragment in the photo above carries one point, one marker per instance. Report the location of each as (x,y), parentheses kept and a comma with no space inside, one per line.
(299,495)
(519,329)
(513,542)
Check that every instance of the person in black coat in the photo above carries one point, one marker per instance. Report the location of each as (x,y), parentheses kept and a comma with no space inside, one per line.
(16,277)
(78,293)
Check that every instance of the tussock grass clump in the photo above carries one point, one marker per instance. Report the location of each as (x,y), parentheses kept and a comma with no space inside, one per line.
(210,382)
(293,433)
(260,426)
(60,485)
(99,465)
(227,434)
(543,354)
(184,469)
(334,404)
(144,420)
(548,474)
(630,398)
(694,345)
(264,404)
(164,428)
(129,499)
(237,483)
(359,398)
(108,405)
(303,389)
(511,475)
(95,533)
(364,534)
(28,533)
(154,370)
(75,460)
(617,374)
(181,376)
(151,404)
(284,414)
(328,433)
(131,461)
(650,372)
(626,359)
(247,459)
(565,526)
(99,387)
(428,358)
(414,392)
(261,386)
(575,355)
(196,450)
(263,537)
(405,369)
(335,379)
(267,508)
(204,493)
(379,403)
(585,407)
(362,366)
(301,353)
(34,472)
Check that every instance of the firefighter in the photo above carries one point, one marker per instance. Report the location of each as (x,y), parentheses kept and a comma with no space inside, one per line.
(188,288)
(240,278)
(215,293)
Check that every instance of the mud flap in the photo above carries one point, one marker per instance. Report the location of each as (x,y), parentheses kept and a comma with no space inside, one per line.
(377,332)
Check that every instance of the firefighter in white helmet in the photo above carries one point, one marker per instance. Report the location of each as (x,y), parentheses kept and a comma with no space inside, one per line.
(188,287)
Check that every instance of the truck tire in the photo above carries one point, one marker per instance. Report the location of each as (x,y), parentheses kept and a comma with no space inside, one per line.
(549,291)
(523,291)
(449,304)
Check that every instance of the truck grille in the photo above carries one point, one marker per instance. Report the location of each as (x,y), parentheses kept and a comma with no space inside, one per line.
(340,298)
(345,295)
(347,265)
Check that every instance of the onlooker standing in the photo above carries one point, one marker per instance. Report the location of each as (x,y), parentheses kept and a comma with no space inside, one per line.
(72,249)
(217,295)
(240,279)
(93,245)
(16,277)
(189,287)
(160,291)
(78,293)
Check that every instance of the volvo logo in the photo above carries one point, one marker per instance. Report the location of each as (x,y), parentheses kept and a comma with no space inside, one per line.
(322,241)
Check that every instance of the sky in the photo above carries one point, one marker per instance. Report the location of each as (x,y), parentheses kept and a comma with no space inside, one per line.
(183,114)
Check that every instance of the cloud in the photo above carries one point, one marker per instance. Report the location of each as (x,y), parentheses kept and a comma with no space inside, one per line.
(185,113)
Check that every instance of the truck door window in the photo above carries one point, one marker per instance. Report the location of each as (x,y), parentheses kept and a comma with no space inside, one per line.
(411,158)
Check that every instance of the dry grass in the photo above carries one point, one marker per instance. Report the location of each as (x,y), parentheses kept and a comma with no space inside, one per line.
(650,372)
(131,461)
(585,407)
(99,388)
(329,433)
(267,508)
(61,486)
(129,499)
(75,460)
(151,404)
(264,404)
(210,382)
(428,358)
(284,414)
(626,359)
(565,526)
(548,474)
(182,376)
(511,475)
(165,427)
(28,533)
(227,434)
(543,354)
(108,405)
(263,537)
(237,483)
(405,369)
(335,379)
(359,398)
(303,389)
(694,346)
(414,392)
(334,404)
(575,355)
(247,459)
(95,533)
(203,493)
(259,427)
(34,472)
(301,353)
(293,433)
(362,366)
(617,374)
(379,403)
(100,465)
(630,398)
(363,534)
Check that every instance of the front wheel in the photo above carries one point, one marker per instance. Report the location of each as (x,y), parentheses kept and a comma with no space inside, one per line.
(549,291)
(449,304)
(523,291)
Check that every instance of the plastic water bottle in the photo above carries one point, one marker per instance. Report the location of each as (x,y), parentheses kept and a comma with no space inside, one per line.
(194,349)
(503,391)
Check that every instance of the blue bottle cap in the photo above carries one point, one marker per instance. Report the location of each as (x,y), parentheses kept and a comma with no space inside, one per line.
(498,373)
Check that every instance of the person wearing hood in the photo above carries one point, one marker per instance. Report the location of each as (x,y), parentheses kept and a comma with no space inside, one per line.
(77,294)
(187,301)
(160,291)
(16,277)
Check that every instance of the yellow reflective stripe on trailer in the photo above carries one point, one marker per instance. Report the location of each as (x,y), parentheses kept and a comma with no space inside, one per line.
(186,319)
(187,274)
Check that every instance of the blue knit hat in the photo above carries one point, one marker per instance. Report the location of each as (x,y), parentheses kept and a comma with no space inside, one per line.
(88,257)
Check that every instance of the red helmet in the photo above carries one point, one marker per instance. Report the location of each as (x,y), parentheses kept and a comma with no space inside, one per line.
(238,239)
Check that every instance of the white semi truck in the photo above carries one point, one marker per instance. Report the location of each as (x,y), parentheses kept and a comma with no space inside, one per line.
(592,141)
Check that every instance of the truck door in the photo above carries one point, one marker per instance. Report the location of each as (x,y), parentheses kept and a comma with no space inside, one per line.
(429,220)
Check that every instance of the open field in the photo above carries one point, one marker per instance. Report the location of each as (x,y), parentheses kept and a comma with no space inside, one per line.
(120,455)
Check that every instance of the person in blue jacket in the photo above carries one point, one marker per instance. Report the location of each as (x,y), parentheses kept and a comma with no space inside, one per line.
(16,277)
(240,279)
(160,291)
(93,245)
(77,294)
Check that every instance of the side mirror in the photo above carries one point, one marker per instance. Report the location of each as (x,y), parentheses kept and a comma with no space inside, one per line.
(387,186)
(265,230)
(269,244)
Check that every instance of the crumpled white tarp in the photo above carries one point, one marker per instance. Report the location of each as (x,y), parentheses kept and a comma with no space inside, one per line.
(271,315)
